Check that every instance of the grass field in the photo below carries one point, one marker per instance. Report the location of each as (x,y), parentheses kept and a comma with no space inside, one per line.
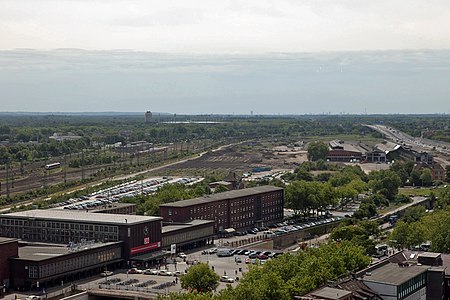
(418,191)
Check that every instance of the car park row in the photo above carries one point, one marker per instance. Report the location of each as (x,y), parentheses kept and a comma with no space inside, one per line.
(115,193)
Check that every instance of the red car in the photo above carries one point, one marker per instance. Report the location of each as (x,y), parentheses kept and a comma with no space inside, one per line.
(134,271)
(262,257)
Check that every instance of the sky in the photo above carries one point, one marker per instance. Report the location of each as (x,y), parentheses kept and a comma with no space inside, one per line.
(203,56)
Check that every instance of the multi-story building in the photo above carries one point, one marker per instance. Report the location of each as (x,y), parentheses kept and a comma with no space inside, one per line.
(38,267)
(235,209)
(8,249)
(398,281)
(139,234)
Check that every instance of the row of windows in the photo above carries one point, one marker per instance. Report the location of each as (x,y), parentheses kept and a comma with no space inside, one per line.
(74,263)
(242,209)
(412,285)
(242,217)
(271,210)
(273,217)
(57,225)
(242,202)
(59,232)
(272,203)
(187,236)
(242,224)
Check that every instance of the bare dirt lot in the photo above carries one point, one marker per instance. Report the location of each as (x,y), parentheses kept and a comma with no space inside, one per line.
(238,158)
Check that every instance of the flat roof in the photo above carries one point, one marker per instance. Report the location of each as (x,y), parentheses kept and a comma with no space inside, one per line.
(224,196)
(7,240)
(331,293)
(429,255)
(178,226)
(81,216)
(393,274)
(38,253)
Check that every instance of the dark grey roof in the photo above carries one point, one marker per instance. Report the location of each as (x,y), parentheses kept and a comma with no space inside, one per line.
(191,224)
(81,216)
(4,240)
(393,274)
(224,196)
(46,252)
(429,254)
(331,293)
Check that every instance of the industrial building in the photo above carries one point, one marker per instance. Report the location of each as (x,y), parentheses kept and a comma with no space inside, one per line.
(235,209)
(342,152)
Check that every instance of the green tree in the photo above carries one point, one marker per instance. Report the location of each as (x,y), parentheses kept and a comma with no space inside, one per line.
(426,178)
(317,150)
(200,278)
(385,182)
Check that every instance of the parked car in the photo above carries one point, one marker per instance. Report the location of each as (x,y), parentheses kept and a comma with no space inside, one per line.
(262,257)
(134,271)
(106,273)
(224,252)
(177,273)
(164,273)
(151,272)
(182,255)
(227,279)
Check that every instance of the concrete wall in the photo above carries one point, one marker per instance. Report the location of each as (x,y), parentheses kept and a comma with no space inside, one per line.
(291,238)
(80,296)
(419,295)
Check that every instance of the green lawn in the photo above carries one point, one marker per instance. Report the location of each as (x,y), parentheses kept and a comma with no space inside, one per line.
(418,192)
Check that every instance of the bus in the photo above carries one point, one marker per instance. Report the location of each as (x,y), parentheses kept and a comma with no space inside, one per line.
(52,166)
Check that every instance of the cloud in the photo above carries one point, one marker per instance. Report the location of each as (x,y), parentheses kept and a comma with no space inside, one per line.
(201,26)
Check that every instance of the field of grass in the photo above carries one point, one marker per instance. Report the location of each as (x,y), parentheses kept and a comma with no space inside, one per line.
(418,191)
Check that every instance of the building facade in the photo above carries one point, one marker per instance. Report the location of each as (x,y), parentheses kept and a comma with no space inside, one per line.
(8,249)
(139,234)
(39,267)
(236,209)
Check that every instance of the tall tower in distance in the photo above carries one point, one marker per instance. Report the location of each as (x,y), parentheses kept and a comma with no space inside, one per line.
(148,117)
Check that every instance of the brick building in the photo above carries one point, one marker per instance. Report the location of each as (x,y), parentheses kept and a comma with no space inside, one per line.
(236,209)
(8,249)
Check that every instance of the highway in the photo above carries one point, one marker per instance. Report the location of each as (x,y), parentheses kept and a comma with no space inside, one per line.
(418,144)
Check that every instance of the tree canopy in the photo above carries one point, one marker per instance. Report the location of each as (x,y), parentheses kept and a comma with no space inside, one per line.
(317,150)
(200,278)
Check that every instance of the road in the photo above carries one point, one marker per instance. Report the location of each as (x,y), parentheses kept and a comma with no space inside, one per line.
(419,144)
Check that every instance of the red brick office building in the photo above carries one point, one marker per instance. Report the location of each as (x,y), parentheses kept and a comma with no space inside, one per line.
(238,209)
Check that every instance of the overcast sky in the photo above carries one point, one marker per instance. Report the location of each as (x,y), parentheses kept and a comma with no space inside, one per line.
(281,56)
(209,26)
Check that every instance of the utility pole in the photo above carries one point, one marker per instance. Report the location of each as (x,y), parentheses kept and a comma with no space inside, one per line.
(82,165)
(65,168)
(7,179)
